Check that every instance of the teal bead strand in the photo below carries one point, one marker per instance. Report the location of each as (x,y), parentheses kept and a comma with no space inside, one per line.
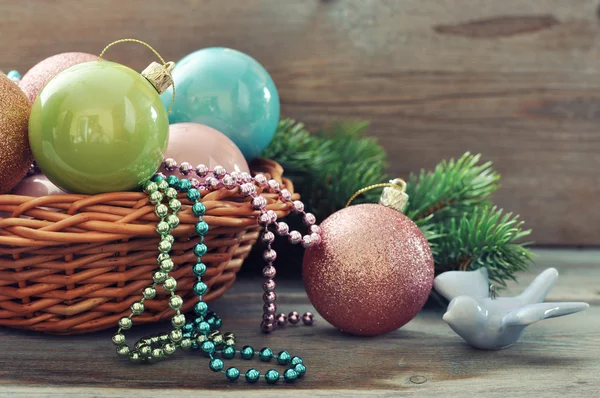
(247,352)
(232,374)
(252,375)
(300,369)
(228,352)
(216,365)
(272,376)
(265,354)
(283,358)
(201,332)
(198,209)
(290,375)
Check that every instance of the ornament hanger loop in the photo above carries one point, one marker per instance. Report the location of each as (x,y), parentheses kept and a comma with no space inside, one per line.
(167,66)
(493,293)
(397,183)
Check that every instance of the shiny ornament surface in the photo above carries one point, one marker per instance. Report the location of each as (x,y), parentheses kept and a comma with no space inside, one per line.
(372,272)
(37,77)
(198,144)
(35,186)
(228,91)
(98,127)
(15,155)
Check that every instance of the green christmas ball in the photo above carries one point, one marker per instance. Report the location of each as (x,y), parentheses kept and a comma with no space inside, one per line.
(98,127)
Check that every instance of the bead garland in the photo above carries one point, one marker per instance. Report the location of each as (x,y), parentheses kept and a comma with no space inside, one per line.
(219,178)
(202,333)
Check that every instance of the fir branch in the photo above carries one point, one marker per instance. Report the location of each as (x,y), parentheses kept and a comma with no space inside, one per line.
(451,204)
(452,188)
(483,238)
(327,167)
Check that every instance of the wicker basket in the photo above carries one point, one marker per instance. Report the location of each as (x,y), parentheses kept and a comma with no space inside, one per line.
(72,264)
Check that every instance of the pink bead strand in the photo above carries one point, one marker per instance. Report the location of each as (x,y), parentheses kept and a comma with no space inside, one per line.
(247,186)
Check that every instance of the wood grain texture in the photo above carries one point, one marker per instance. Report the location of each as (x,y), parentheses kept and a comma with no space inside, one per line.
(554,357)
(517,81)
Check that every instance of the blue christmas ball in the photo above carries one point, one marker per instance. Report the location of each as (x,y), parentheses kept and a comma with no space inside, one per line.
(228,91)
(14,75)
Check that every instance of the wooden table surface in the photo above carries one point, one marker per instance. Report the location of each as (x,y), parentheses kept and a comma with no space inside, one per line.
(554,357)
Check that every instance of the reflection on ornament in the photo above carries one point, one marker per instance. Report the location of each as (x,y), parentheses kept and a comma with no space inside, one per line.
(112,129)
(228,91)
(15,155)
(487,322)
(37,77)
(372,272)
(198,144)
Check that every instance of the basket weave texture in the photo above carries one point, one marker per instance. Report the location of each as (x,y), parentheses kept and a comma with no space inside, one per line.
(72,264)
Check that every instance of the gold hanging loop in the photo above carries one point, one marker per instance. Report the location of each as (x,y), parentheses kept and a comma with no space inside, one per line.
(397,184)
(158,75)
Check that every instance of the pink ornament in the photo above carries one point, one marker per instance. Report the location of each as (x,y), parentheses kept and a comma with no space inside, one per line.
(36,185)
(372,271)
(197,144)
(37,77)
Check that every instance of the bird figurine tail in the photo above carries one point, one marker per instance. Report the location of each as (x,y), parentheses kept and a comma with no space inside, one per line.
(537,290)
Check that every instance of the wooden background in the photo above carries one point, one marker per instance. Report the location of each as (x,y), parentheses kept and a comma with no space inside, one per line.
(518,81)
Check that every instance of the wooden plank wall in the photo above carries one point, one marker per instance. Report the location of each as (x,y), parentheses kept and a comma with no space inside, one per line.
(518,81)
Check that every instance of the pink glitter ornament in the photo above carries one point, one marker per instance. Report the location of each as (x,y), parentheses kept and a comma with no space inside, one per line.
(37,77)
(372,271)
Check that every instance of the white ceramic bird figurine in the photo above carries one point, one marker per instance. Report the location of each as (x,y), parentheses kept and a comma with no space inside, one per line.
(488,322)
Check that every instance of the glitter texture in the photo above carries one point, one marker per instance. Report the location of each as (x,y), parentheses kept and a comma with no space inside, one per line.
(37,77)
(372,272)
(15,154)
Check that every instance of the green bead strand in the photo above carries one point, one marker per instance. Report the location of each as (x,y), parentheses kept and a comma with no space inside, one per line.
(162,185)
(173,221)
(163,228)
(161,210)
